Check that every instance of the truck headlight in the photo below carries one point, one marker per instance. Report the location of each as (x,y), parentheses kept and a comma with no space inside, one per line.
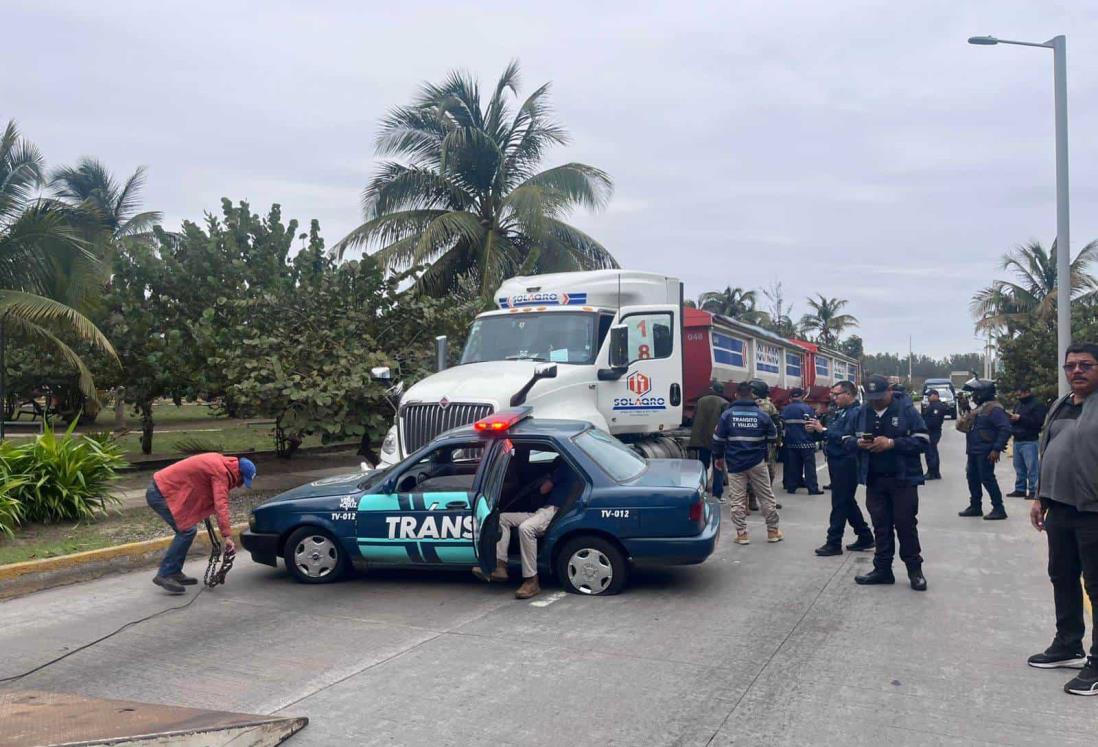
(389,445)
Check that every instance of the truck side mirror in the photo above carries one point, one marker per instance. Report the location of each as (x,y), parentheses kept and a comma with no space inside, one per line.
(546,371)
(381,372)
(619,347)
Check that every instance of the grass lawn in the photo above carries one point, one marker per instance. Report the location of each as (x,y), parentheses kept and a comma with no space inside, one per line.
(190,422)
(37,541)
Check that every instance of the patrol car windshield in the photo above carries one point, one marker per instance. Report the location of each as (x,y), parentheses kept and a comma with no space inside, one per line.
(559,337)
(617,459)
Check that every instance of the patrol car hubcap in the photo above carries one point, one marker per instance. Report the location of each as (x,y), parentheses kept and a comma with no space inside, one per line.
(315,556)
(590,571)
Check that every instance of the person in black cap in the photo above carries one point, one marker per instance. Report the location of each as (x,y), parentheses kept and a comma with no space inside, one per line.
(891,438)
(934,416)
(800,446)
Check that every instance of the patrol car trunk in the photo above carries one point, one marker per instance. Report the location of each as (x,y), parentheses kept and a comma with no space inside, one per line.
(657,510)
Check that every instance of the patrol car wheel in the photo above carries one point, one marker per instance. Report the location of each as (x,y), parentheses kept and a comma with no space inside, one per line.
(313,556)
(592,565)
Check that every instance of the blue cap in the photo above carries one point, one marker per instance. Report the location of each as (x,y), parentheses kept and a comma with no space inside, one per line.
(876,388)
(247,471)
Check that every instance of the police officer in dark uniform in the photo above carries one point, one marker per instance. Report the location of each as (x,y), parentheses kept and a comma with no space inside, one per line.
(934,416)
(891,437)
(840,447)
(987,430)
(800,446)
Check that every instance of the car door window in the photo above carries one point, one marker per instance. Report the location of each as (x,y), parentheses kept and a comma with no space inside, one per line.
(650,336)
(450,468)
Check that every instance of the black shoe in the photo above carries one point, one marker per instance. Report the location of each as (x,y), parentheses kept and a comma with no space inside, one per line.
(1086,683)
(1016,494)
(1031,496)
(183,578)
(827,550)
(995,514)
(815,492)
(1058,657)
(169,585)
(971,511)
(826,487)
(875,577)
(777,505)
(917,579)
(862,543)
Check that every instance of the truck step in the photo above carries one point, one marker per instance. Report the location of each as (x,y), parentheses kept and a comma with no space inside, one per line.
(32,717)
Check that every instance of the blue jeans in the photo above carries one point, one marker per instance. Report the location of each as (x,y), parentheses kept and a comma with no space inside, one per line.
(705,456)
(181,543)
(1026,468)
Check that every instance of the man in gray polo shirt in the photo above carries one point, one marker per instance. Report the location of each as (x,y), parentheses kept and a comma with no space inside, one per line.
(1068,514)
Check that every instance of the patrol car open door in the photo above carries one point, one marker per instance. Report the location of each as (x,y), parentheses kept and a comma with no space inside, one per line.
(486,508)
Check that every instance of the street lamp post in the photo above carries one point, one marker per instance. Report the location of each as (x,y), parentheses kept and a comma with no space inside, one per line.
(1058,45)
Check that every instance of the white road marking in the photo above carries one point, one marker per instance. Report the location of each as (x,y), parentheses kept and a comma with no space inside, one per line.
(556,597)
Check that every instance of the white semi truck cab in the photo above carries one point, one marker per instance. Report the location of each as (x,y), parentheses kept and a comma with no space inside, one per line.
(604,346)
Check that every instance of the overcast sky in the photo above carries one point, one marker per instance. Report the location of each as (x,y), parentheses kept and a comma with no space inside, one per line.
(858,149)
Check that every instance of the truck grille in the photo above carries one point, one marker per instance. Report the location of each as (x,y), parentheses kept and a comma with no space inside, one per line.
(422,422)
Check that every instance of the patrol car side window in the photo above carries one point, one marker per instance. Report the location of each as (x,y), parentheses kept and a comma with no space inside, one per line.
(450,467)
(650,336)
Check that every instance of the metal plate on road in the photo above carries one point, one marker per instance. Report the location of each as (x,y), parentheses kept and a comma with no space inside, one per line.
(32,717)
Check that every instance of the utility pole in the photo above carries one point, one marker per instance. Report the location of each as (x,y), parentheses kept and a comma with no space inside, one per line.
(910,360)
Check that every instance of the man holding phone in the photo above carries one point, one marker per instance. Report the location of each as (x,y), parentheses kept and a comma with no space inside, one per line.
(891,439)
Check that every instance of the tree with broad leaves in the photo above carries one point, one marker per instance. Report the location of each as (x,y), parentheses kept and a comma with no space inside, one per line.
(464,195)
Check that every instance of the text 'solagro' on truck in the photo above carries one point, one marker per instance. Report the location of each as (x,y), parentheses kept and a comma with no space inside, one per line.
(616,348)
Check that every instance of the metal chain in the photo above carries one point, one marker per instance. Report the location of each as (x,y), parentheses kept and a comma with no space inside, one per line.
(219,564)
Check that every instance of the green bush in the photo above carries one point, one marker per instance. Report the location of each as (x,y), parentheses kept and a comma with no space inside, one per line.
(57,478)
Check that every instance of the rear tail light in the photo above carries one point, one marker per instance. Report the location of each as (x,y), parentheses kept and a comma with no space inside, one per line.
(696,509)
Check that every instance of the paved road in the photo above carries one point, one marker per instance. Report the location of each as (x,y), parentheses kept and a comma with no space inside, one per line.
(763,644)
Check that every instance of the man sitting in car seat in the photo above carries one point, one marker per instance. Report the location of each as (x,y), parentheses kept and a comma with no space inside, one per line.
(548,494)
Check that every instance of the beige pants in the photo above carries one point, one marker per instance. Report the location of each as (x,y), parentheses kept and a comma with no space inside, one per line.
(530,526)
(759,477)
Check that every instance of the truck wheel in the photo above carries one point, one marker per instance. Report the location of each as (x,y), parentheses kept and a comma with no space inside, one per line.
(314,557)
(592,565)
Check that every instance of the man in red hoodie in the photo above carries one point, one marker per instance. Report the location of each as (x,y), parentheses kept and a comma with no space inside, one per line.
(188,492)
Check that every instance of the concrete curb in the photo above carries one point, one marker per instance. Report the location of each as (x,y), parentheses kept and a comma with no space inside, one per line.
(17,579)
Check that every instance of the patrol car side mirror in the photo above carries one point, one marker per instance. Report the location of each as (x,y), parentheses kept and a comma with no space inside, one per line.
(619,347)
(381,372)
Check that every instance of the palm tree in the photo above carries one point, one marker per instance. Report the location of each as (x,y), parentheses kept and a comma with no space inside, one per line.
(734,302)
(102,203)
(36,242)
(825,320)
(1005,303)
(467,196)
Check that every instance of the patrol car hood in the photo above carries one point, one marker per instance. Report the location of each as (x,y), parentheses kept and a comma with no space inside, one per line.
(490,382)
(662,473)
(327,486)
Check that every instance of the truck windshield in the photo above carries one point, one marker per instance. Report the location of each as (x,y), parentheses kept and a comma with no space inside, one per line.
(560,337)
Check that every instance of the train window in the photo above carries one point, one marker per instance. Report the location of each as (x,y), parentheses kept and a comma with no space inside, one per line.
(792,364)
(768,358)
(650,336)
(823,366)
(728,350)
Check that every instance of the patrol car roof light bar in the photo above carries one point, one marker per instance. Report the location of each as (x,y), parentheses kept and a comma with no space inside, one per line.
(501,421)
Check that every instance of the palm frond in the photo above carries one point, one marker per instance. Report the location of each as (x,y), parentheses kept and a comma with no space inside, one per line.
(43,312)
(29,329)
